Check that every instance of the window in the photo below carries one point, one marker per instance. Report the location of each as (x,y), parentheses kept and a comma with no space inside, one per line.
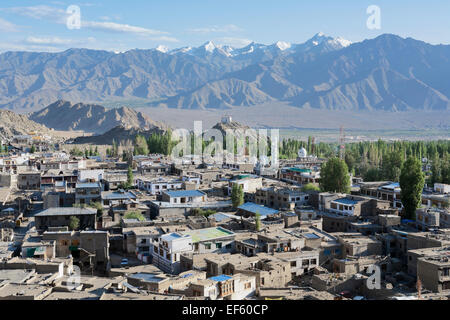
(218,245)
(208,246)
(293,263)
(248,285)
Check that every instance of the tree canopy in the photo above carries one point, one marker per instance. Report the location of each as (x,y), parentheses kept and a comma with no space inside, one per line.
(412,181)
(334,176)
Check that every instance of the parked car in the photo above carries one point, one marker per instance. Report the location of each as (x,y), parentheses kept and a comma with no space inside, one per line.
(124,262)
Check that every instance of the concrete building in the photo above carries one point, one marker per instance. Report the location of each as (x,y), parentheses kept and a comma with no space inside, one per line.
(281,199)
(224,287)
(184,197)
(216,239)
(434,272)
(86,193)
(89,176)
(167,249)
(300,176)
(29,180)
(358,245)
(427,218)
(60,217)
(249,183)
(384,190)
(159,185)
(90,249)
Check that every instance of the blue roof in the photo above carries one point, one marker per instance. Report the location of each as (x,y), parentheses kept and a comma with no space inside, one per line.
(117,195)
(171,236)
(185,193)
(391,186)
(311,236)
(290,214)
(88,185)
(219,216)
(256,208)
(346,201)
(184,276)
(221,278)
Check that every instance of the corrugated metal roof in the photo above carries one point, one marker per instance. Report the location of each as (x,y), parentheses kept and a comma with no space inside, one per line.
(185,193)
(256,208)
(87,185)
(66,212)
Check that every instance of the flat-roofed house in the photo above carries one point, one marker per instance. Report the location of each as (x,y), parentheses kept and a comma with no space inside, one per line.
(167,249)
(184,196)
(60,217)
(86,193)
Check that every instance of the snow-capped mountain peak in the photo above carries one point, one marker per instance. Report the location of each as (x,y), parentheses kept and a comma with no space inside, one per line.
(162,49)
(209,46)
(343,42)
(283,45)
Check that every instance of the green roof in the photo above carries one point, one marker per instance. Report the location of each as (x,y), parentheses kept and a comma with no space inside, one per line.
(300,170)
(201,235)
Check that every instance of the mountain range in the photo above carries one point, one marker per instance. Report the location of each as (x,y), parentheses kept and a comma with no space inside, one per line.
(388,73)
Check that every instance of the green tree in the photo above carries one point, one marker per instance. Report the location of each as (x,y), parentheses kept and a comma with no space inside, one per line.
(115,149)
(237,195)
(258,221)
(310,187)
(372,174)
(33,149)
(334,176)
(391,166)
(130,177)
(350,161)
(74,223)
(99,207)
(140,145)
(412,181)
(201,212)
(134,215)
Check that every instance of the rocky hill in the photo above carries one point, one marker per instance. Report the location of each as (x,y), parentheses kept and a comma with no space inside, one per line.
(119,134)
(17,124)
(63,115)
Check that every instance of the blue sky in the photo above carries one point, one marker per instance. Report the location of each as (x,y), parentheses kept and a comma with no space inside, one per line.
(119,25)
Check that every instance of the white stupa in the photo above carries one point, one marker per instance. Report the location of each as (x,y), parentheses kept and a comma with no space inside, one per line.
(302,153)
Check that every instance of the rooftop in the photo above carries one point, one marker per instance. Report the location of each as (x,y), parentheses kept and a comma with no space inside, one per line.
(66,212)
(221,278)
(185,193)
(256,208)
(346,201)
(207,234)
(87,185)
